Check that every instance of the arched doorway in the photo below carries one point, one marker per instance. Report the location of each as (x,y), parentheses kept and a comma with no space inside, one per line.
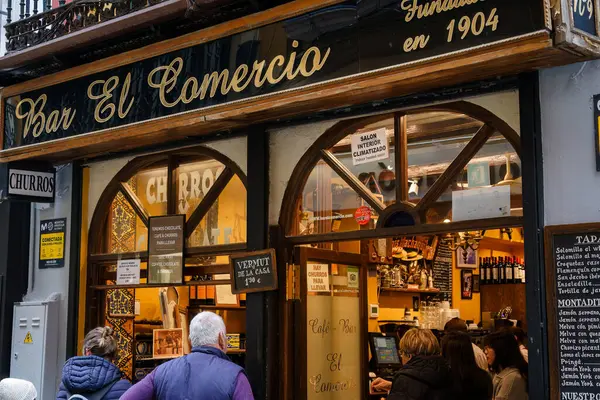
(198,182)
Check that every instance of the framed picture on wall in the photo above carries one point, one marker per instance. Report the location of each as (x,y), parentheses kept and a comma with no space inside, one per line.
(466,280)
(476,283)
(466,259)
(168,343)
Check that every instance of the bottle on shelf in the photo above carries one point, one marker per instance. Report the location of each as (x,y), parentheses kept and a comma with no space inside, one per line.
(523,280)
(488,271)
(482,269)
(495,272)
(510,271)
(501,270)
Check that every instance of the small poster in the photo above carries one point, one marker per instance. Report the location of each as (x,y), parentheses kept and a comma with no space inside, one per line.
(128,272)
(478,174)
(317,277)
(353,278)
(52,243)
(166,239)
(370,146)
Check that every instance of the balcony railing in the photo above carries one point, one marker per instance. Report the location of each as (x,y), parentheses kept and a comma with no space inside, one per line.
(35,27)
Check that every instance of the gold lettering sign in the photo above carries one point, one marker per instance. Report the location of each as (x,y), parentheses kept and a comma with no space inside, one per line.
(165,77)
(35,118)
(112,97)
(414,9)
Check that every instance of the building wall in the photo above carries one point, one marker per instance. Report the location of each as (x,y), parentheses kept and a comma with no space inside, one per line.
(571,183)
(44,282)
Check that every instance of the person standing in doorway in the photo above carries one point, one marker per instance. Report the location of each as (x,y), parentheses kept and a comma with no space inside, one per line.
(508,365)
(459,325)
(470,381)
(206,371)
(93,375)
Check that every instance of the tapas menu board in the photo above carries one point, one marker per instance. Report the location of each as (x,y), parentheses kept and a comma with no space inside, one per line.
(442,271)
(573,295)
(253,272)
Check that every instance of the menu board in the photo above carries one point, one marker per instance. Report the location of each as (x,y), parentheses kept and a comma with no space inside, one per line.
(442,271)
(166,240)
(573,263)
(253,272)
(333,337)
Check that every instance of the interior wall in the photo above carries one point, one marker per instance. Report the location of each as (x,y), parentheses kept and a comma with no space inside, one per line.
(571,182)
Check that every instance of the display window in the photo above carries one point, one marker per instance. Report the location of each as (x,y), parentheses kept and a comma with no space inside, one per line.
(195,199)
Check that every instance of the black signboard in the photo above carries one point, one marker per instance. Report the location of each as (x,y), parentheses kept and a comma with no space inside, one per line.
(347,39)
(166,241)
(597,129)
(52,243)
(584,16)
(442,271)
(253,272)
(573,262)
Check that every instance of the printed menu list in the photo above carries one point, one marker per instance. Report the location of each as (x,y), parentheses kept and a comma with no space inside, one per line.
(442,271)
(577,262)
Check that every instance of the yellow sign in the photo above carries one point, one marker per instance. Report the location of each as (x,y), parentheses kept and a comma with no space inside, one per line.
(52,246)
(28,338)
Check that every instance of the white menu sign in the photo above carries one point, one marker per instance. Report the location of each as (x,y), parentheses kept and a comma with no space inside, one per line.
(128,272)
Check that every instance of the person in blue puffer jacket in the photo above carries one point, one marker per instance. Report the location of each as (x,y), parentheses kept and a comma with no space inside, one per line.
(94,376)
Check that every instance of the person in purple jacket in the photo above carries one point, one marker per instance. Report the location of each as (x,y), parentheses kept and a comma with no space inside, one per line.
(93,376)
(204,374)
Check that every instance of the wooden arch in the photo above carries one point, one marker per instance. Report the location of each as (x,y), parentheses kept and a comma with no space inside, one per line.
(319,151)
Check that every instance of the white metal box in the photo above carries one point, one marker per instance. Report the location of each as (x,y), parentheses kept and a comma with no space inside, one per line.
(35,346)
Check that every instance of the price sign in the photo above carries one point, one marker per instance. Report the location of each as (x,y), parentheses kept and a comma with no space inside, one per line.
(253,272)
(584,16)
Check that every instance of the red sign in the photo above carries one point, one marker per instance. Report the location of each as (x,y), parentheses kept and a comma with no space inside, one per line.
(362,215)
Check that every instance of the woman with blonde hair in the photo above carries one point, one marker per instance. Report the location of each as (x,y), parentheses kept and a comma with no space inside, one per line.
(425,375)
(93,376)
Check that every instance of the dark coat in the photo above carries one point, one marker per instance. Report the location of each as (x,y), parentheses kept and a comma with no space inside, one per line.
(89,374)
(476,386)
(423,378)
(206,373)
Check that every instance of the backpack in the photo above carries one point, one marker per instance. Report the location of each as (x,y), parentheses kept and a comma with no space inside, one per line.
(99,395)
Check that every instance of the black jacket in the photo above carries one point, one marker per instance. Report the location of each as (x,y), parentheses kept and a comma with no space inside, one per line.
(476,386)
(423,378)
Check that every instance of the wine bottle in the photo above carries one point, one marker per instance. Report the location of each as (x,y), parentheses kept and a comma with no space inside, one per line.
(510,271)
(523,280)
(501,270)
(482,270)
(495,274)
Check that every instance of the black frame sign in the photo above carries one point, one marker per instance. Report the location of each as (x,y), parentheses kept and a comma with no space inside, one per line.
(53,234)
(253,272)
(573,304)
(33,182)
(597,129)
(166,243)
(584,16)
(340,41)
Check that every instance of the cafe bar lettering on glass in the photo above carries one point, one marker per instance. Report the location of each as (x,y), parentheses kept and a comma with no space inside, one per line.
(575,271)
(335,42)
(333,335)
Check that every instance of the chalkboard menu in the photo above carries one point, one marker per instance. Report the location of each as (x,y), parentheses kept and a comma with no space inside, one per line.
(253,272)
(573,291)
(442,271)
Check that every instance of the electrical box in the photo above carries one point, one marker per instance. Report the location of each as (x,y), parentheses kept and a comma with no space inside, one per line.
(34,354)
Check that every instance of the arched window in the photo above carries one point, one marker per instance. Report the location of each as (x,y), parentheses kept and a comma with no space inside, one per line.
(414,164)
(205,186)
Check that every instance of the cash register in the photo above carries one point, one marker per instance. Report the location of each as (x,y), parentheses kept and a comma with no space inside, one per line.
(385,359)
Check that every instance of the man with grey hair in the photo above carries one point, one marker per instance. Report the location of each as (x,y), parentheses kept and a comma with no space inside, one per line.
(204,374)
